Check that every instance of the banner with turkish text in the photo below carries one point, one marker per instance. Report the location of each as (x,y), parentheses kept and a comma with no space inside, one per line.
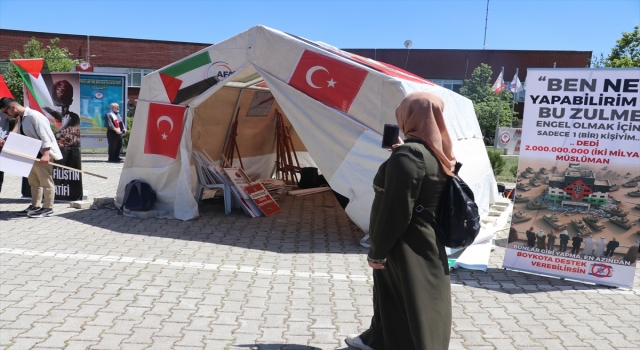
(64,93)
(577,204)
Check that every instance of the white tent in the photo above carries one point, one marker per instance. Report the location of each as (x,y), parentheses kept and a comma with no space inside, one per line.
(336,101)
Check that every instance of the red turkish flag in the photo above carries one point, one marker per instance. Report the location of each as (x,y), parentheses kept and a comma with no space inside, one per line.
(164,129)
(328,80)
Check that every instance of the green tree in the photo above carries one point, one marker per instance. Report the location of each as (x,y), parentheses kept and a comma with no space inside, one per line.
(626,53)
(487,103)
(56,59)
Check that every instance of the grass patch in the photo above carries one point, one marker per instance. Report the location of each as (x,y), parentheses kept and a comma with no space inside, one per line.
(506,175)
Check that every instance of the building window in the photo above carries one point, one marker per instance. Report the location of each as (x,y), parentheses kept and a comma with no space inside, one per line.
(136,75)
(450,84)
(4,67)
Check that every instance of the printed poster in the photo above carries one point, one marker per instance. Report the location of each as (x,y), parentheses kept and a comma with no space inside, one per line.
(65,123)
(97,92)
(240,181)
(262,199)
(579,175)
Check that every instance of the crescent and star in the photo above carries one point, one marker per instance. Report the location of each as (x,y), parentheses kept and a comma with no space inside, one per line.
(331,83)
(164,118)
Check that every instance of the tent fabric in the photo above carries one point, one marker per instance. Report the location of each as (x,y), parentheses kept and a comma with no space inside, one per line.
(339,133)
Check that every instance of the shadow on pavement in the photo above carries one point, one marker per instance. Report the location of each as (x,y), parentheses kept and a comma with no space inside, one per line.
(274,347)
(308,224)
(517,282)
(280,347)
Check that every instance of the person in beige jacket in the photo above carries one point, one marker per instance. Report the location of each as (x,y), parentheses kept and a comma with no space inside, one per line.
(34,124)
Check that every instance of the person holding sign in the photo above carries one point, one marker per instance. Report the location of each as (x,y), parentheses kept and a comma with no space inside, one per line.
(115,130)
(35,125)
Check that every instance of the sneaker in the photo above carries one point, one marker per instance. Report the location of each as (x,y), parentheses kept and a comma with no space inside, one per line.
(355,341)
(26,211)
(40,213)
(365,241)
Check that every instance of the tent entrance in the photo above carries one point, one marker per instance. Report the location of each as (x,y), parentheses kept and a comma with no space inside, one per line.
(247,100)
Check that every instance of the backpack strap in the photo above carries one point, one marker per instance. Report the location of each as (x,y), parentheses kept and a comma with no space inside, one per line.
(127,192)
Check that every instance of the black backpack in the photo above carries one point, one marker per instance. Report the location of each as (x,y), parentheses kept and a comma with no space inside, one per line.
(457,221)
(308,177)
(138,196)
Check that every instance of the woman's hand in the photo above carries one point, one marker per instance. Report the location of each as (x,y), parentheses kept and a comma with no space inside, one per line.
(376,266)
(400,143)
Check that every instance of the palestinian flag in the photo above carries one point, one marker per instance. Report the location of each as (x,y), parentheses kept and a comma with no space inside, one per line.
(4,89)
(30,70)
(190,77)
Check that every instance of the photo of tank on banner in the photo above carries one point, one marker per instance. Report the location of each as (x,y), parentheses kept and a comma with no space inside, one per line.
(577,204)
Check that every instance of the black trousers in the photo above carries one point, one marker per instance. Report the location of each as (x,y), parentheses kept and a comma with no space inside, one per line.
(575,250)
(115,144)
(563,246)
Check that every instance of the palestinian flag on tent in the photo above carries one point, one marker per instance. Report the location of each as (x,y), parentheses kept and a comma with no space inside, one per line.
(31,72)
(191,77)
(4,89)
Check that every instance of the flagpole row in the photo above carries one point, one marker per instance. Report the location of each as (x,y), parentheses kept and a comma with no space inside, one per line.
(515,82)
(499,84)
(54,164)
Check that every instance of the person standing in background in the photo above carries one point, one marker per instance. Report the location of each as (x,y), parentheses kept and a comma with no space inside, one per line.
(541,238)
(513,234)
(611,247)
(577,241)
(600,245)
(551,240)
(115,131)
(588,245)
(564,240)
(531,237)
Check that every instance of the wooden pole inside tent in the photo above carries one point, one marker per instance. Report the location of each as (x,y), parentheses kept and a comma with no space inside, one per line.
(232,144)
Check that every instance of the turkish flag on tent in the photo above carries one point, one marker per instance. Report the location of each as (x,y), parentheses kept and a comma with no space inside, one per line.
(327,80)
(164,129)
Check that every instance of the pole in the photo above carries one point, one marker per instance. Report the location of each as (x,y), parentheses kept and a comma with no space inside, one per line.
(486,21)
(513,103)
(500,103)
(54,164)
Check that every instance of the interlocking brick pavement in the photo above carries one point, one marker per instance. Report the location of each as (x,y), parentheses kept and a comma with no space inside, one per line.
(90,279)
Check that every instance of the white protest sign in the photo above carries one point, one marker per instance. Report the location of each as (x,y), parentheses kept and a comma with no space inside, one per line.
(17,165)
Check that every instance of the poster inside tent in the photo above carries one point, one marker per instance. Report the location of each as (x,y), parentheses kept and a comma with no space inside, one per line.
(579,175)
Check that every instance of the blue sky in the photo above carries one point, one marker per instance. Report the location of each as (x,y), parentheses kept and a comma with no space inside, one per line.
(584,25)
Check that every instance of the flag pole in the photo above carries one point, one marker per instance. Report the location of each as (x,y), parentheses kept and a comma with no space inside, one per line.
(513,103)
(52,163)
(500,103)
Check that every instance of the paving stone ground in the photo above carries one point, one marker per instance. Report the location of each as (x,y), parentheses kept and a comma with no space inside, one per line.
(90,279)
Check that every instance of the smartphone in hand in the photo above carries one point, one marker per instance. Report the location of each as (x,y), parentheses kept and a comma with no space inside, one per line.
(390,135)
